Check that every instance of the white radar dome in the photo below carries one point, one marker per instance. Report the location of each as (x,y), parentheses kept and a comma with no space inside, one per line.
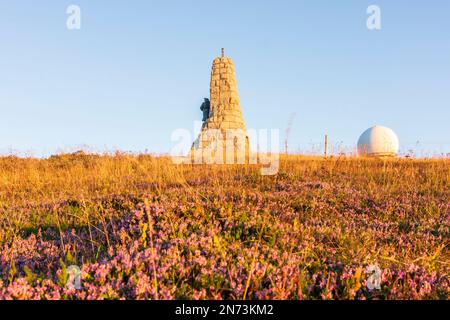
(378,141)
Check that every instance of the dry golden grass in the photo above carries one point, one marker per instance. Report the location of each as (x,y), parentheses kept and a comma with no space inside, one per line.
(26,182)
(40,185)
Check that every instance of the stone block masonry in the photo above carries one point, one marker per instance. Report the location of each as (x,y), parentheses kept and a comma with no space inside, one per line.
(224,135)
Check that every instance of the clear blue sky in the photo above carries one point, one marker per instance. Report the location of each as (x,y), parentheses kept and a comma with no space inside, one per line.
(137,70)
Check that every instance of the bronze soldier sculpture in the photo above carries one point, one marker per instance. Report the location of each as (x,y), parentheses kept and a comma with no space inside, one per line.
(205,109)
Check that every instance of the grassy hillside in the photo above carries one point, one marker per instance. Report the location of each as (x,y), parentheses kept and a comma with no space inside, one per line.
(140,227)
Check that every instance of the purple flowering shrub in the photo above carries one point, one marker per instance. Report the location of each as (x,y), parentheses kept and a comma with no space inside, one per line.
(226,233)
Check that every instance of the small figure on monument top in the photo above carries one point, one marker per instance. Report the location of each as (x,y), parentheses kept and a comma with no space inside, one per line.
(223,52)
(205,107)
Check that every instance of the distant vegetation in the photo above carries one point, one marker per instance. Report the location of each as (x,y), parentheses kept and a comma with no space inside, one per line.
(140,227)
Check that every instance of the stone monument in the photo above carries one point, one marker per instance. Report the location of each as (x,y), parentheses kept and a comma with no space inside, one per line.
(223,138)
